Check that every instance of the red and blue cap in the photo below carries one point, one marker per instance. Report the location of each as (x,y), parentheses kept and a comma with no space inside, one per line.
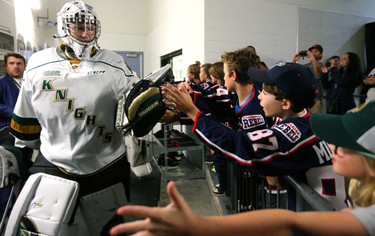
(295,80)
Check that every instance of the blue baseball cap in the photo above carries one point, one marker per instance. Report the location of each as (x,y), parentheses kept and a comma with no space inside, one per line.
(295,80)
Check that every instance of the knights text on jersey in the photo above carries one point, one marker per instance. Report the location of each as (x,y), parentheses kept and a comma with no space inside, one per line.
(72,110)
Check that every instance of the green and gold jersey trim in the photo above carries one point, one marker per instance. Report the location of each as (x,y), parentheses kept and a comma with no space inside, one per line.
(25,128)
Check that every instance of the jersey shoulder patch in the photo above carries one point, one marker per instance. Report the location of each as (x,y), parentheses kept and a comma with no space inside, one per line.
(252,121)
(290,131)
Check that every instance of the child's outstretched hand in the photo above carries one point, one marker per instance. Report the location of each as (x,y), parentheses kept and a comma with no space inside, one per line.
(180,99)
(175,219)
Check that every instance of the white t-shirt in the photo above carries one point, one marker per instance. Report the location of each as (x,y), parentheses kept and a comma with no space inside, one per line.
(18,81)
(370,96)
(372,73)
(366,215)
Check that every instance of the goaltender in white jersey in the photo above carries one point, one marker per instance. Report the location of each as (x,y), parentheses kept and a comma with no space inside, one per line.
(75,109)
(67,107)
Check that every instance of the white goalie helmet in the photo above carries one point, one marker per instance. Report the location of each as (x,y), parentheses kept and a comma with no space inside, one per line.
(79,16)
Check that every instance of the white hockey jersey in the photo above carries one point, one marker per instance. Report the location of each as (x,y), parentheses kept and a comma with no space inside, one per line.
(72,111)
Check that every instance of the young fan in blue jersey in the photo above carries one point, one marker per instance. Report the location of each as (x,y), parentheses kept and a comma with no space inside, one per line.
(353,149)
(287,148)
(234,103)
(248,114)
(218,98)
(205,77)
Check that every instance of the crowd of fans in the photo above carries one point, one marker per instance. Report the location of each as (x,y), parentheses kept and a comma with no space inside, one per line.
(270,119)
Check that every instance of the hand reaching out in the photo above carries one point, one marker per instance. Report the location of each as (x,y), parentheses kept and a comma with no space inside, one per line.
(311,57)
(369,80)
(186,85)
(175,219)
(296,57)
(180,99)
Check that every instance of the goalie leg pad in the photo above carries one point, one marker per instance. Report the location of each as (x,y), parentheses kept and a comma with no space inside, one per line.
(98,208)
(44,207)
(12,165)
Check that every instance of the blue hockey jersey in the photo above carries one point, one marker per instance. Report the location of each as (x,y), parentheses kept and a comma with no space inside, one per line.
(287,148)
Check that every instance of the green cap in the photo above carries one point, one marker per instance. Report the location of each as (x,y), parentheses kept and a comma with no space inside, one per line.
(354,130)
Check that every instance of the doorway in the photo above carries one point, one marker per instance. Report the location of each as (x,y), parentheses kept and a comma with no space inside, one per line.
(134,60)
(175,60)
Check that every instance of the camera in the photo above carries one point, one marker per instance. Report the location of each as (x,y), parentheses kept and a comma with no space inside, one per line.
(328,64)
(303,53)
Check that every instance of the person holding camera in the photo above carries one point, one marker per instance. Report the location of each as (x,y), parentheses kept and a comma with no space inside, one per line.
(314,54)
(343,79)
(326,67)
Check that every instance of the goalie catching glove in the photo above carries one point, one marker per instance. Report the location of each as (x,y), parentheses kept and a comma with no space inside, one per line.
(143,106)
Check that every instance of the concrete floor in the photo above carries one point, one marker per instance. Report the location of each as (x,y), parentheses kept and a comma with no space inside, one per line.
(198,194)
(197,191)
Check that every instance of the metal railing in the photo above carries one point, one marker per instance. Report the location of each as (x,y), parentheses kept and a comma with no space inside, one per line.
(247,191)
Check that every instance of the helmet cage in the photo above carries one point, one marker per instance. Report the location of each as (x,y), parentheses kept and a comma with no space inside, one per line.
(78,12)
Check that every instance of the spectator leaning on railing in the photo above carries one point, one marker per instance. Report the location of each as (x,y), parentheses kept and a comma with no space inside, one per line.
(286,148)
(354,157)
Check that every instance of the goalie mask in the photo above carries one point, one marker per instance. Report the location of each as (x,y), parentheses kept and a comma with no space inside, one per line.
(78,27)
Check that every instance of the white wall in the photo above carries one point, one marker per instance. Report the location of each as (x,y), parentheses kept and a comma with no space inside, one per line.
(269,26)
(337,32)
(272,26)
(7,23)
(124,22)
(174,25)
(356,7)
(8,29)
(203,29)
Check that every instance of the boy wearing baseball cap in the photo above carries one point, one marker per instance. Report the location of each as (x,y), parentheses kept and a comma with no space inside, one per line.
(354,157)
(287,148)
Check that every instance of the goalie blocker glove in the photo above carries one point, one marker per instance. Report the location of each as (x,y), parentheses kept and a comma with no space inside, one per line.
(144,107)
